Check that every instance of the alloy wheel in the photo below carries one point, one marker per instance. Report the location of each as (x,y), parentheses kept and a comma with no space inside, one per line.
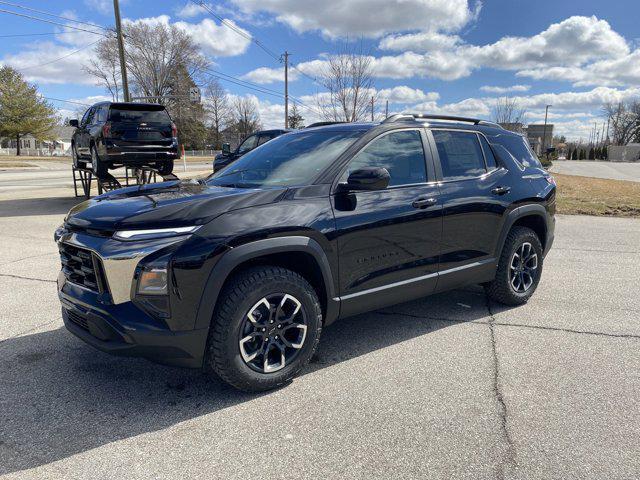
(273,333)
(523,268)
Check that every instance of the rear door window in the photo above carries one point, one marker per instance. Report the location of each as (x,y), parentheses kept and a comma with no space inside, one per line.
(460,154)
(138,115)
(488,154)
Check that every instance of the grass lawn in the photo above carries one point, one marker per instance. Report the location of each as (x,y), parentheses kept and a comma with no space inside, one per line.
(597,196)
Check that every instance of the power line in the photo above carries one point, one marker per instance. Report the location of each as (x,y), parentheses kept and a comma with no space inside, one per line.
(36,34)
(42,12)
(58,59)
(240,32)
(65,101)
(31,17)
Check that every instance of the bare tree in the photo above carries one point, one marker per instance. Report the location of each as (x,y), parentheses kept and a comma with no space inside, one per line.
(154,55)
(624,122)
(106,66)
(218,110)
(509,113)
(246,118)
(348,80)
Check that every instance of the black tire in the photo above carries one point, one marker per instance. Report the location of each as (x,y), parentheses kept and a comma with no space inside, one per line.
(165,168)
(100,169)
(239,295)
(77,162)
(502,288)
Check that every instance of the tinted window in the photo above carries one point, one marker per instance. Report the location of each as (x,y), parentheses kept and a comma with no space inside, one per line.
(488,154)
(138,115)
(87,116)
(102,114)
(460,154)
(264,139)
(519,148)
(401,153)
(293,159)
(249,144)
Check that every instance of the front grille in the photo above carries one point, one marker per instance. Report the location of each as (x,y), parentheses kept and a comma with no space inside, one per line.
(81,267)
(77,319)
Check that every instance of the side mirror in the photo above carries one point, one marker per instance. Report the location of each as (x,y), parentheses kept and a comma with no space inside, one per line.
(74,123)
(369,178)
(226,148)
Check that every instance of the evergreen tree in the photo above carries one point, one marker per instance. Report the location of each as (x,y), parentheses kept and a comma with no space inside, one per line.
(574,156)
(583,154)
(296,120)
(22,111)
(592,154)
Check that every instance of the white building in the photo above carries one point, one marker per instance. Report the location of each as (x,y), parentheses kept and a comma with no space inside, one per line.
(29,146)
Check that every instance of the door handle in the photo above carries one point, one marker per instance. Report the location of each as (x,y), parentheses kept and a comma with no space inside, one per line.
(501,190)
(423,202)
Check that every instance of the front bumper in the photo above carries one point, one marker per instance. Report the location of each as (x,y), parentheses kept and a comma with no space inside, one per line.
(127,331)
(113,319)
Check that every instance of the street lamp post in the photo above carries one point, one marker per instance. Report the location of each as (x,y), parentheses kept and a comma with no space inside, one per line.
(544,132)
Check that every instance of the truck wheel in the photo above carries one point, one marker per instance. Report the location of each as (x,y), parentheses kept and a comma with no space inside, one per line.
(266,328)
(165,168)
(77,163)
(99,168)
(519,268)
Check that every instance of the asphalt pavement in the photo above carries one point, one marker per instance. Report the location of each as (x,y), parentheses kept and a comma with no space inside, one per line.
(586,168)
(452,386)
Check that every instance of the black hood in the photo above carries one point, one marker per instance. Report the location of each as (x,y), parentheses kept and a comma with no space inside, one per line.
(167,204)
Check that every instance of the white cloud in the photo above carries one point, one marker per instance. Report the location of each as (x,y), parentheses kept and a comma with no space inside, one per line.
(190,10)
(611,72)
(217,40)
(572,42)
(402,95)
(369,18)
(266,75)
(501,90)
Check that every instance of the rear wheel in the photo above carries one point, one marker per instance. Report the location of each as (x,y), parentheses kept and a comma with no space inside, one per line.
(519,268)
(265,329)
(99,168)
(165,168)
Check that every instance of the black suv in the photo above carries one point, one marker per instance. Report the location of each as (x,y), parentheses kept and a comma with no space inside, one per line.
(239,273)
(112,135)
(252,141)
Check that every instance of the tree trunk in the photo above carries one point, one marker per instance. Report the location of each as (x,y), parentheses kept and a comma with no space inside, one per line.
(18,145)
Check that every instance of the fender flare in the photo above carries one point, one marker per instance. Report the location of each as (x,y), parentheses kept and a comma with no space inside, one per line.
(237,255)
(512,217)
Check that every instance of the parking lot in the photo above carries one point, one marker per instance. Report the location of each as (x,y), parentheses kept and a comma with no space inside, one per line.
(448,387)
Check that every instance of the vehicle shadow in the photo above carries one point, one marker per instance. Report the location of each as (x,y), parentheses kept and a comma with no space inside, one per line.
(38,206)
(61,397)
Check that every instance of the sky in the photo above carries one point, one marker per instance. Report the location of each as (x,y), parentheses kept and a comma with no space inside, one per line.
(436,56)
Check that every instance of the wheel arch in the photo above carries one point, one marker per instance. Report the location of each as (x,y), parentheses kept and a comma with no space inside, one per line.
(533,216)
(293,252)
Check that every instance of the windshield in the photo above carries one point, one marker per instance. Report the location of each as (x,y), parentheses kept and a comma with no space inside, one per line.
(293,159)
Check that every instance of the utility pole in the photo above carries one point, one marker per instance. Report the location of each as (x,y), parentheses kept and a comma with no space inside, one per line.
(286,89)
(544,132)
(372,107)
(123,63)
(386,110)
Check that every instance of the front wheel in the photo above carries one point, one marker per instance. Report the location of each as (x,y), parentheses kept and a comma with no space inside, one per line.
(519,268)
(265,329)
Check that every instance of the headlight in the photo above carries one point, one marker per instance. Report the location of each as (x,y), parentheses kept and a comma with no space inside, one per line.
(153,281)
(155,233)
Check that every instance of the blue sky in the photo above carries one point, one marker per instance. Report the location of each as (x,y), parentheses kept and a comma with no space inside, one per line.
(444,56)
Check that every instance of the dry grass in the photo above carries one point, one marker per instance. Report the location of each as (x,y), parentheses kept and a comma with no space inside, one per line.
(11,164)
(597,196)
(25,158)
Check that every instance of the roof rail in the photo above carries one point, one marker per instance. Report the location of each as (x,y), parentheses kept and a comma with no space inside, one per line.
(323,124)
(424,116)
